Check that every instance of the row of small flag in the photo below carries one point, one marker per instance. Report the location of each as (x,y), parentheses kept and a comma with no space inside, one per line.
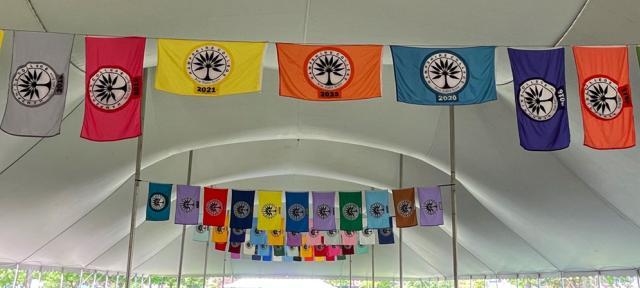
(425,76)
(299,214)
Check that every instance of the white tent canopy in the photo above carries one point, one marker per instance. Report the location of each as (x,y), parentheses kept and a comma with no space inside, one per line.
(66,201)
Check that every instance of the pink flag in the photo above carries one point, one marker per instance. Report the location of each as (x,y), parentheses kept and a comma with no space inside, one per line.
(113,88)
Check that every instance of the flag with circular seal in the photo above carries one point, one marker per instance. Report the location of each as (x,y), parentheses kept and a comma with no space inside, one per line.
(404,201)
(377,202)
(159,202)
(324,218)
(362,249)
(37,84)
(314,237)
(237,235)
(368,235)
(385,236)
(248,249)
(209,68)
(349,237)
(331,237)
(201,233)
(215,206)
(275,237)
(297,204)
(113,88)
(294,239)
(241,209)
(329,73)
(257,237)
(350,211)
(605,96)
(541,104)
(431,210)
(444,76)
(269,210)
(187,204)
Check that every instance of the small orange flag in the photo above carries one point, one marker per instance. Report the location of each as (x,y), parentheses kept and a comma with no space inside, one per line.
(329,73)
(605,96)
(404,201)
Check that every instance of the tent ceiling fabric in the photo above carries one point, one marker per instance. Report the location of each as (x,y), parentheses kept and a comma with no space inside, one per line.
(66,201)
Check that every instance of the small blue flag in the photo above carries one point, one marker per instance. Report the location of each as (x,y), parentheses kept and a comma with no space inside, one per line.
(237,235)
(158,203)
(241,209)
(257,237)
(385,235)
(377,209)
(297,211)
(444,76)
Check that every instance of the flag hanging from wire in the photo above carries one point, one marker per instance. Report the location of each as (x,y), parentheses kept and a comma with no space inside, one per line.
(405,204)
(348,249)
(257,237)
(237,235)
(362,249)
(329,73)
(37,84)
(324,218)
(241,209)
(220,234)
(444,76)
(541,104)
(294,238)
(275,237)
(314,238)
(368,236)
(297,215)
(201,233)
(605,97)
(377,208)
(385,236)
(269,210)
(431,212)
(349,237)
(235,247)
(350,211)
(187,204)
(248,249)
(292,251)
(331,237)
(159,202)
(113,85)
(215,206)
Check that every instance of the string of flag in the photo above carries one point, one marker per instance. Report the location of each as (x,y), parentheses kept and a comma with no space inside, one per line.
(423,76)
(305,226)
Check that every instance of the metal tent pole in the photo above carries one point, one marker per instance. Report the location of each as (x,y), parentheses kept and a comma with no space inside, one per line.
(15,276)
(118,280)
(106,279)
(452,161)
(206,257)
(136,181)
(350,273)
(61,277)
(95,277)
(224,267)
(373,268)
(400,184)
(184,227)
(80,281)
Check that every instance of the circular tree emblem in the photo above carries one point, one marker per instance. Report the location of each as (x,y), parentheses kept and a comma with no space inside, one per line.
(332,233)
(214,207)
(187,204)
(385,232)
(296,212)
(202,228)
(367,232)
(349,234)
(34,83)
(241,209)
(444,72)
(329,69)
(276,233)
(430,207)
(269,210)
(351,211)
(323,211)
(602,98)
(235,244)
(110,88)
(208,64)
(538,99)
(376,210)
(248,245)
(237,231)
(157,202)
(314,233)
(405,208)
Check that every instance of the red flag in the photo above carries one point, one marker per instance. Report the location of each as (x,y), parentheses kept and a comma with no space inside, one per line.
(319,250)
(605,96)
(220,246)
(234,247)
(215,206)
(113,88)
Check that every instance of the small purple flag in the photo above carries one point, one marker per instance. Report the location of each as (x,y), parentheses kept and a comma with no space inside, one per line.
(324,218)
(431,213)
(541,102)
(187,204)
(294,239)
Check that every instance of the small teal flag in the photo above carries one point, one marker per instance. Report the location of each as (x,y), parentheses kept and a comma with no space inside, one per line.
(377,209)
(444,76)
(159,202)
(201,233)
(257,237)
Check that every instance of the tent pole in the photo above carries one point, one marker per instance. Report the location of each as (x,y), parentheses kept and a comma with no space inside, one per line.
(184,227)
(224,267)
(452,161)
(206,257)
(95,277)
(400,184)
(15,276)
(61,277)
(373,268)
(80,281)
(117,280)
(136,181)
(106,279)
(350,274)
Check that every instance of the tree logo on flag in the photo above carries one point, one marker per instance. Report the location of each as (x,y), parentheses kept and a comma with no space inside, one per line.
(214,207)
(445,73)
(329,69)
(257,232)
(320,247)
(376,210)
(237,231)
(538,99)
(235,244)
(351,211)
(332,233)
(269,210)
(385,232)
(431,207)
(367,232)
(405,208)
(241,209)
(202,228)
(157,202)
(208,64)
(602,98)
(276,233)
(220,229)
(323,211)
(296,212)
(187,205)
(348,233)
(248,245)
(110,88)
(313,233)
(34,83)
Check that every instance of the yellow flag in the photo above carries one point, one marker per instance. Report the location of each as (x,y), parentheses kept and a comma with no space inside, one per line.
(276,237)
(269,210)
(305,250)
(209,68)
(220,234)
(1,37)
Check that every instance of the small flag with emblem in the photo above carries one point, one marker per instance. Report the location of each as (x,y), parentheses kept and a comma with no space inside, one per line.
(368,236)
(215,206)
(350,211)
(201,233)
(431,212)
(187,204)
(385,235)
(257,237)
(294,238)
(404,201)
(324,211)
(159,202)
(241,209)
(297,211)
(269,210)
(331,237)
(237,235)
(377,209)
(349,237)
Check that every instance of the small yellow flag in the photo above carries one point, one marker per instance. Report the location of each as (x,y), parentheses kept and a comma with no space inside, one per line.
(1,38)
(269,210)
(209,68)
(220,234)
(276,237)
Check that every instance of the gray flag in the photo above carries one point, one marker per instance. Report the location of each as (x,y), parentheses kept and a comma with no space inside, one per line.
(37,84)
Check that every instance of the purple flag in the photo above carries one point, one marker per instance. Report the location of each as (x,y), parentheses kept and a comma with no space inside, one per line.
(431,213)
(294,239)
(324,218)
(541,103)
(187,204)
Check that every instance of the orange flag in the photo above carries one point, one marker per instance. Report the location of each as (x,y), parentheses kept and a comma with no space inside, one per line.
(329,73)
(605,96)
(404,201)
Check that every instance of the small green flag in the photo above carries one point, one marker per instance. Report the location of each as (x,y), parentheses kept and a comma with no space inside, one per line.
(350,211)
(278,250)
(362,249)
